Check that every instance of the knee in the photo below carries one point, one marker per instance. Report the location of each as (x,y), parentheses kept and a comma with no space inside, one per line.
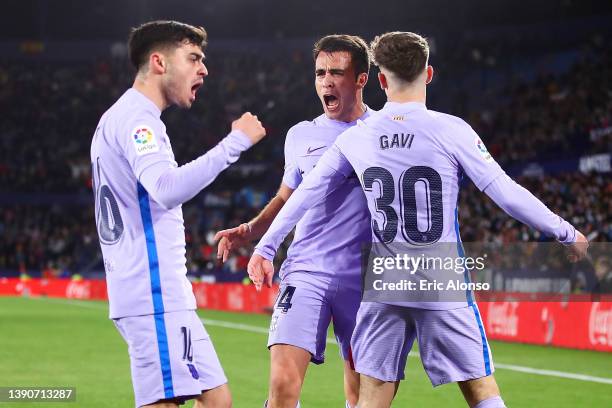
(479,389)
(285,385)
(224,400)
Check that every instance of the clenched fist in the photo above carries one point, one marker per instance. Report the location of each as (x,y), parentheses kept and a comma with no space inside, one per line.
(251,126)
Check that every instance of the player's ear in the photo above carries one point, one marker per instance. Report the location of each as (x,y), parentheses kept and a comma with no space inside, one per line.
(382,80)
(157,63)
(362,79)
(430,72)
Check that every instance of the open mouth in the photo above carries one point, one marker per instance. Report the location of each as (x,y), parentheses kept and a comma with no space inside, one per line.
(331,102)
(194,88)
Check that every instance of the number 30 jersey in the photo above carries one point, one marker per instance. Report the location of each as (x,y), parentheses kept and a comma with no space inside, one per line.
(143,244)
(410,161)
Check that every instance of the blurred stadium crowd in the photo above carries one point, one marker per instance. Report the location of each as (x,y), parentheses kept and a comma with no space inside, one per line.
(50,112)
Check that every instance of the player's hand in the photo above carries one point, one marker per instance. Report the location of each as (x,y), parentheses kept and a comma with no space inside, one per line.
(232,239)
(260,270)
(578,250)
(251,126)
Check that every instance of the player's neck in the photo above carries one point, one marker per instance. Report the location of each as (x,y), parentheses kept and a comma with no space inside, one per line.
(410,94)
(150,91)
(355,113)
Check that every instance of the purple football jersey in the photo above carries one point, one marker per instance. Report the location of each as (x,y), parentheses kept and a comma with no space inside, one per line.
(409,161)
(330,233)
(143,238)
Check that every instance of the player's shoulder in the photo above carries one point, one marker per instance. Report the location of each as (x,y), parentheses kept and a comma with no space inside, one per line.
(354,135)
(448,120)
(129,110)
(374,117)
(129,119)
(307,125)
(306,128)
(302,126)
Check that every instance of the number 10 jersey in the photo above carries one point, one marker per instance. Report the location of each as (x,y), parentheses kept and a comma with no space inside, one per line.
(142,242)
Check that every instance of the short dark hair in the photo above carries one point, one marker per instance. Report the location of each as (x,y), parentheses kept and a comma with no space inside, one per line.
(356,46)
(161,34)
(404,54)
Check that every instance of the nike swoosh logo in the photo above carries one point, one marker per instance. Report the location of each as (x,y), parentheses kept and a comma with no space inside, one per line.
(310,149)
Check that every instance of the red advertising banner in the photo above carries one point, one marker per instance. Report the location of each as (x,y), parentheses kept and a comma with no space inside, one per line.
(570,321)
(61,288)
(581,325)
(235,297)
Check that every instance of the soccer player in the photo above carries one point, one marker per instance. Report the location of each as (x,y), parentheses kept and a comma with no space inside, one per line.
(410,160)
(320,278)
(139,190)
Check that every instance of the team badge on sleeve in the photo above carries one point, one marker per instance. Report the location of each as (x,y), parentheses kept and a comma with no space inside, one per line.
(144,140)
(482,149)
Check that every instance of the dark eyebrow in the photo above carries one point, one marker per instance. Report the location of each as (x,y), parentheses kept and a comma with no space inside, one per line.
(333,71)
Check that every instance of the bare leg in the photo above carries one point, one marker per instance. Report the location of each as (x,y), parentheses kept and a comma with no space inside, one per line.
(475,391)
(351,384)
(219,397)
(374,393)
(288,366)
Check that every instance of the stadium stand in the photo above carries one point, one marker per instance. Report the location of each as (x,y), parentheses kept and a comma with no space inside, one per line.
(552,130)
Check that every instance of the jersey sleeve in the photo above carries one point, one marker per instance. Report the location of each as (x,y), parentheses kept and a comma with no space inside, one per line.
(343,148)
(144,142)
(520,204)
(171,186)
(473,157)
(292,176)
(324,179)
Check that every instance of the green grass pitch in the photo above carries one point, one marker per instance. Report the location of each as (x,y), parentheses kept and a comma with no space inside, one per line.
(56,342)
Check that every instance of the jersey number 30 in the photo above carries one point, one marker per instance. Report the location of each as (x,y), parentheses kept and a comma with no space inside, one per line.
(431,213)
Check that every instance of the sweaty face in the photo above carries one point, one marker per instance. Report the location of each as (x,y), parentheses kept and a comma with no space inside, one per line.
(184,75)
(336,84)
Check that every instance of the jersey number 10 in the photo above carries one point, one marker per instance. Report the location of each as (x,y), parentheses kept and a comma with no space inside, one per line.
(108,217)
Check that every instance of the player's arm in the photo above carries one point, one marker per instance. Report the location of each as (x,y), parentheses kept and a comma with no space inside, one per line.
(171,186)
(516,201)
(329,173)
(233,238)
(520,204)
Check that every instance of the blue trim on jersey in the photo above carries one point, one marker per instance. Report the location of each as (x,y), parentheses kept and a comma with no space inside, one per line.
(470,300)
(156,292)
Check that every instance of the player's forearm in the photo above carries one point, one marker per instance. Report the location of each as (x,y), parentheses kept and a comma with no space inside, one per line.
(172,186)
(260,224)
(520,204)
(288,215)
(321,181)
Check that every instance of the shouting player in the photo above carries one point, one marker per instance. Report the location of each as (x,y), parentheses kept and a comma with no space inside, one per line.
(321,277)
(410,160)
(139,190)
